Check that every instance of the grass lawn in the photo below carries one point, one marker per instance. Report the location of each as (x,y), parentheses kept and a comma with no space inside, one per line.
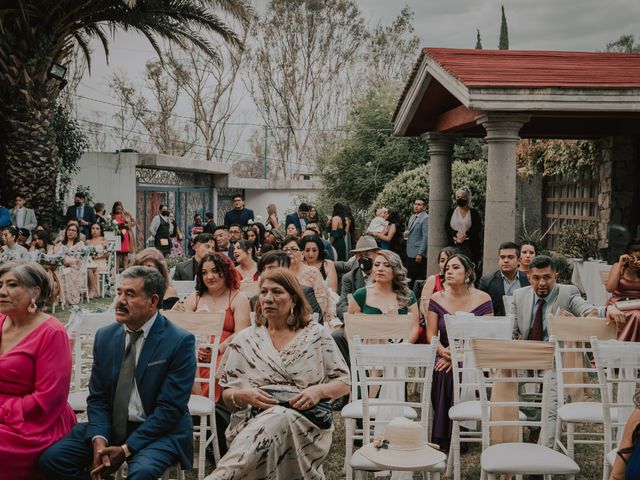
(589,457)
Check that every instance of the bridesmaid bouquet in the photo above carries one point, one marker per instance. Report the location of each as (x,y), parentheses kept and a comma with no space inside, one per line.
(55,260)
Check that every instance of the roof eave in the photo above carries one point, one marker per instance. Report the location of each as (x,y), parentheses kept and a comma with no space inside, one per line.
(554,99)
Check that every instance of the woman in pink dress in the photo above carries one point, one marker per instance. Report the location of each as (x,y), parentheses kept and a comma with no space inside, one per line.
(125,223)
(35,371)
(624,284)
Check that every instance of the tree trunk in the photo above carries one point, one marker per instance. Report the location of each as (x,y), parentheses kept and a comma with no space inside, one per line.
(29,155)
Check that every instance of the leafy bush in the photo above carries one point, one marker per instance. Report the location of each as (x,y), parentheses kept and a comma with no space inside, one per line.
(578,240)
(400,192)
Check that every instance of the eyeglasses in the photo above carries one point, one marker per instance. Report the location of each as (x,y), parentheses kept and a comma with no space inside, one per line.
(290,249)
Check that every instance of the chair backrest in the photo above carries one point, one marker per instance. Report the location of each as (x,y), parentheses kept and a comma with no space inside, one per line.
(374,327)
(604,276)
(460,329)
(207,328)
(618,367)
(82,330)
(513,362)
(572,335)
(184,287)
(389,368)
(250,288)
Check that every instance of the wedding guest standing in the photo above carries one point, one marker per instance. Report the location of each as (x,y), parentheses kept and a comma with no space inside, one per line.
(98,259)
(528,252)
(272,217)
(239,214)
(160,230)
(464,227)
(338,231)
(125,223)
(83,213)
(418,234)
(23,217)
(35,371)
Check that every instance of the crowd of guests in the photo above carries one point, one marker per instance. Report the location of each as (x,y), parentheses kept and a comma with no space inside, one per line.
(283,360)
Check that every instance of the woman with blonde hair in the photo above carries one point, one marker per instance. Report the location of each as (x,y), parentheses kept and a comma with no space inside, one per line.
(272,217)
(278,379)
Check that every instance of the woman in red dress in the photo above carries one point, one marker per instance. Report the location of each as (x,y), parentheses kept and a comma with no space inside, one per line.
(35,371)
(125,223)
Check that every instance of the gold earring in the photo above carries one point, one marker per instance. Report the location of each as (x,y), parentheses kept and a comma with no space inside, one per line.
(32,307)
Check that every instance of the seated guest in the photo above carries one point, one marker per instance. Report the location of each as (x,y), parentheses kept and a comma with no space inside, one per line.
(35,371)
(152,257)
(218,290)
(389,291)
(274,377)
(528,252)
(433,283)
(245,253)
(308,276)
(506,280)
(314,256)
(360,276)
(23,237)
(251,234)
(41,245)
(223,241)
(460,296)
(12,250)
(273,238)
(624,284)
(314,229)
(298,219)
(276,259)
(141,419)
(543,297)
(627,465)
(292,231)
(203,245)
(62,232)
(235,233)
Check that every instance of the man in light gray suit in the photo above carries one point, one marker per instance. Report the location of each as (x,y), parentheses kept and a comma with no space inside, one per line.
(532,305)
(418,230)
(23,217)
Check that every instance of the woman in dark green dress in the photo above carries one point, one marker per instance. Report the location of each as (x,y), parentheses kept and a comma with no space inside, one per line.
(338,231)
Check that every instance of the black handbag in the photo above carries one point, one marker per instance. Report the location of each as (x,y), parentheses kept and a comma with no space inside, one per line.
(321,415)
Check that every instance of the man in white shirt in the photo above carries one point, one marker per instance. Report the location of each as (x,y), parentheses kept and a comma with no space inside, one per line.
(139,390)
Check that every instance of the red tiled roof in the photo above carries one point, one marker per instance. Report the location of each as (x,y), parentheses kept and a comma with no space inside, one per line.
(539,69)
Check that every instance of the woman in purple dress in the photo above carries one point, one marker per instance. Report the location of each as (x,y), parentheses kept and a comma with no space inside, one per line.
(458,296)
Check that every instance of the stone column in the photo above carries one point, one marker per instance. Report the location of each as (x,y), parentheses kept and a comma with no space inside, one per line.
(440,152)
(503,135)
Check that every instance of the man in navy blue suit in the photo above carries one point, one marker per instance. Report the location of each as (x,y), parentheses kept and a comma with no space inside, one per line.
(299,219)
(143,371)
(83,213)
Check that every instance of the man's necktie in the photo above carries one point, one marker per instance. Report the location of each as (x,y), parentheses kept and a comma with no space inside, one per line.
(537,332)
(79,213)
(124,387)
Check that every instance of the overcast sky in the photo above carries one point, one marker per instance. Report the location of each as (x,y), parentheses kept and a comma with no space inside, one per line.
(571,25)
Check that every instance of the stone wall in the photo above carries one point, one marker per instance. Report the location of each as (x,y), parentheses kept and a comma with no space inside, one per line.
(529,204)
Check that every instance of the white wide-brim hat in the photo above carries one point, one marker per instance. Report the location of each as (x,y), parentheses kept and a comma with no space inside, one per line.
(403,446)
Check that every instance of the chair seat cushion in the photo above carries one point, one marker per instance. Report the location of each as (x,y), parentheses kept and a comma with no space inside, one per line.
(470,410)
(199,405)
(611,457)
(526,458)
(360,462)
(78,400)
(587,412)
(354,410)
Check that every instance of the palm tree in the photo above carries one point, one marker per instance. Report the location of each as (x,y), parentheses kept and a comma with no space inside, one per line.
(36,34)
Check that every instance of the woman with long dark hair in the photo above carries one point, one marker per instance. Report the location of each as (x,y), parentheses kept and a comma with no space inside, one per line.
(624,284)
(337,235)
(392,238)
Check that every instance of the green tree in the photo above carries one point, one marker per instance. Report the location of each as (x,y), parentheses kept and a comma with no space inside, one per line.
(478,40)
(624,44)
(371,156)
(503,44)
(400,192)
(36,34)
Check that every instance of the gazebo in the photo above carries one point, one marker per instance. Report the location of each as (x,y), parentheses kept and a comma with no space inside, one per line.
(503,96)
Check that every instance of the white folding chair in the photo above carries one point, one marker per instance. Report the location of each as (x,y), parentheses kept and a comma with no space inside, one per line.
(84,269)
(381,328)
(204,326)
(461,328)
(517,362)
(179,474)
(81,334)
(571,336)
(105,278)
(392,364)
(184,287)
(618,367)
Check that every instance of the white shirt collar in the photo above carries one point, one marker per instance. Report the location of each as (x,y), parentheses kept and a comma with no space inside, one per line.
(146,327)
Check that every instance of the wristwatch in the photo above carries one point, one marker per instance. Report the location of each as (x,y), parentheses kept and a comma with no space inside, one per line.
(125,449)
